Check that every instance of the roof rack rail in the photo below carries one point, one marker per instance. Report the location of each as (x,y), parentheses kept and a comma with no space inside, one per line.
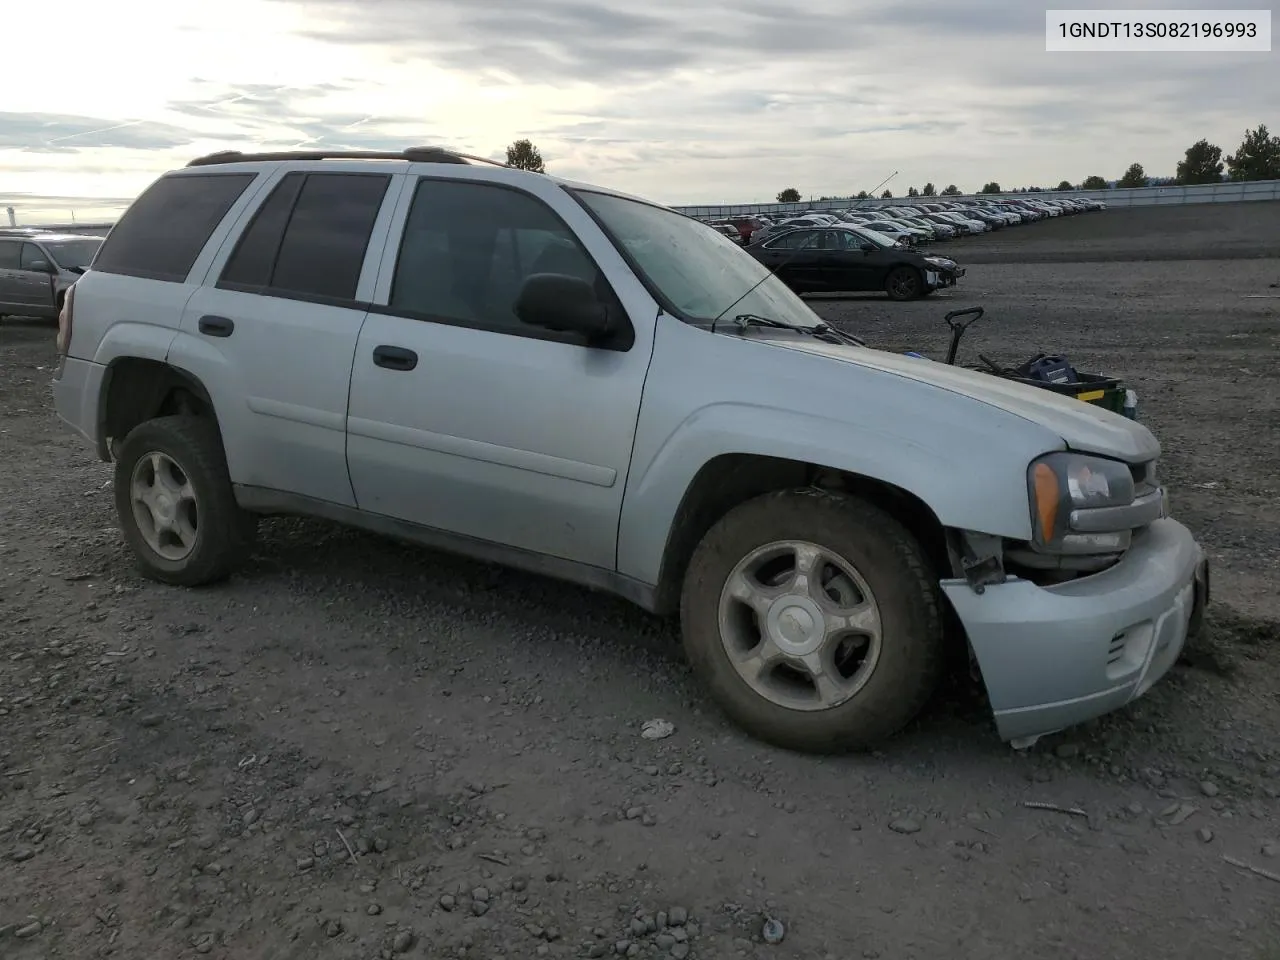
(412,155)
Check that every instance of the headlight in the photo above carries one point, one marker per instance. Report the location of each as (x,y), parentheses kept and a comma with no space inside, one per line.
(1081,504)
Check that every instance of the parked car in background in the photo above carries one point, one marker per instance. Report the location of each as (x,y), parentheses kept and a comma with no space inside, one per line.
(789,224)
(37,268)
(727,230)
(847,258)
(940,231)
(896,230)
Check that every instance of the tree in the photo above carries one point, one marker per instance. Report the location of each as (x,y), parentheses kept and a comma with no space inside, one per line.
(1203,164)
(863,195)
(523,155)
(1065,185)
(789,195)
(929,190)
(1094,182)
(951,191)
(913,192)
(887,195)
(1135,176)
(1258,157)
(991,187)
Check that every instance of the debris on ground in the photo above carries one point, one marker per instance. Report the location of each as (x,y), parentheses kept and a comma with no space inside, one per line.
(773,931)
(657,729)
(1054,808)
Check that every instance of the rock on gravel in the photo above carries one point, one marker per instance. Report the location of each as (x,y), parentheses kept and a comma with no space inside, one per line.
(403,941)
(905,825)
(773,931)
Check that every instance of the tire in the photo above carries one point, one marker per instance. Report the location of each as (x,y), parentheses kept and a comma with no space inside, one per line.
(904,283)
(219,534)
(909,657)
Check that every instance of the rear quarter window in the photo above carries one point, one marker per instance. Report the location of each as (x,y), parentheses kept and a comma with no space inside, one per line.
(164,230)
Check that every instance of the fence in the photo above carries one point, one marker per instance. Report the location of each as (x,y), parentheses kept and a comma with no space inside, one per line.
(1127,197)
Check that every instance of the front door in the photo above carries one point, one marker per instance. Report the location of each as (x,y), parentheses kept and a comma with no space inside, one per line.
(38,273)
(464,419)
(845,264)
(22,292)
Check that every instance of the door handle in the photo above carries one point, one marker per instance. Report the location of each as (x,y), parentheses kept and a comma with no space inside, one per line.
(394,358)
(216,326)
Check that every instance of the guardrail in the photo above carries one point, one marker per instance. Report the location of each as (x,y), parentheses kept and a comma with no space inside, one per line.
(1120,197)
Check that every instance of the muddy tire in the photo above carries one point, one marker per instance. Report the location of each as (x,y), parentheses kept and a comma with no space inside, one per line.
(814,620)
(904,283)
(175,503)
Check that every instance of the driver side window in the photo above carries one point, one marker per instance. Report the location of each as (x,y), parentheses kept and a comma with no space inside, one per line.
(31,255)
(468,247)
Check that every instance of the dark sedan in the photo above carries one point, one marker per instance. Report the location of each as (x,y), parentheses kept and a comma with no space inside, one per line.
(847,258)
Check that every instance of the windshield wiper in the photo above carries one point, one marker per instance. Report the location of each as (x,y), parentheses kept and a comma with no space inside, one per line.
(823,331)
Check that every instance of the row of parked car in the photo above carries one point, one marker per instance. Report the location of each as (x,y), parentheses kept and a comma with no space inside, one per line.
(918,222)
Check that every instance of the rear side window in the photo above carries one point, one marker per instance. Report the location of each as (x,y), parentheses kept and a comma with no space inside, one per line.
(310,236)
(254,257)
(10,256)
(164,230)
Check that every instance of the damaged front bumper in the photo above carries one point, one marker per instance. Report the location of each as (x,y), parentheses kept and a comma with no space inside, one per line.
(1052,657)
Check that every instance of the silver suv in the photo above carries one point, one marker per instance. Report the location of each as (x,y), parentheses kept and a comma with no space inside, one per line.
(36,268)
(586,385)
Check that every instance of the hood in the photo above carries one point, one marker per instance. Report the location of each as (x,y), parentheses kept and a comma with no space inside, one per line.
(1083,426)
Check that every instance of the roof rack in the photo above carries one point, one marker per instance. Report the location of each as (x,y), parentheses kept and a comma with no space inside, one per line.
(411,155)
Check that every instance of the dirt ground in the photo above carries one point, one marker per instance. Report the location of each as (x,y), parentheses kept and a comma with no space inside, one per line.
(357,749)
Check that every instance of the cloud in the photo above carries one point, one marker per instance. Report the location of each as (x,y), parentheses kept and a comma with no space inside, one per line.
(716,100)
(57,132)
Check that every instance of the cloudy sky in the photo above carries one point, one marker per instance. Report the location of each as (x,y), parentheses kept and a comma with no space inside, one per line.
(684,101)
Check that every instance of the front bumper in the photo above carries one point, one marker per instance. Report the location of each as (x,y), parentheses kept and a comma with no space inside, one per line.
(1053,657)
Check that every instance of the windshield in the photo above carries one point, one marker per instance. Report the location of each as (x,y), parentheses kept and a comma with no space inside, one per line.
(70,254)
(699,272)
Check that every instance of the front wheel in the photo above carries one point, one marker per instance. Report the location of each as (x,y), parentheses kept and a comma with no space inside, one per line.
(904,283)
(814,621)
(175,502)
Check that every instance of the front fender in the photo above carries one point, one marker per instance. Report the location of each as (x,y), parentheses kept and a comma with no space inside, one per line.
(944,480)
(719,394)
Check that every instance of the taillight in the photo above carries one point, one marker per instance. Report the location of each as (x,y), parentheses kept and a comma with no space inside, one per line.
(64,321)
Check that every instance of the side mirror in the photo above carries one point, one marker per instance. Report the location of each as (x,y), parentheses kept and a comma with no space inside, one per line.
(40,266)
(564,303)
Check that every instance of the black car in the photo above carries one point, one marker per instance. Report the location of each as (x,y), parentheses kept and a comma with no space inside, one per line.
(847,258)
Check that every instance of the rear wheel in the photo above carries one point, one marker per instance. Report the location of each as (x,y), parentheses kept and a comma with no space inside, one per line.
(175,503)
(814,621)
(904,283)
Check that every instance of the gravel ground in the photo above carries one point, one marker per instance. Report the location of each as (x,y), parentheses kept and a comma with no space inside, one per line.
(357,749)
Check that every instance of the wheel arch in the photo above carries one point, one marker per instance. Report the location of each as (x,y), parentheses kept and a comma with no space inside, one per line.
(731,479)
(136,389)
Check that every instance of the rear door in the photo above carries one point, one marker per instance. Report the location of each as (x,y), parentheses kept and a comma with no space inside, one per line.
(794,258)
(276,325)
